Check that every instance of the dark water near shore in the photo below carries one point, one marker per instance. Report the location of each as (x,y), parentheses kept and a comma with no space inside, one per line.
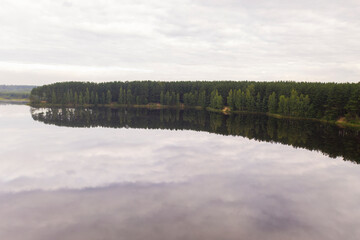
(168,174)
(313,135)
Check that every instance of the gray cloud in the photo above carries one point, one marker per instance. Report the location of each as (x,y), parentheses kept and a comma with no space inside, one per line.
(46,41)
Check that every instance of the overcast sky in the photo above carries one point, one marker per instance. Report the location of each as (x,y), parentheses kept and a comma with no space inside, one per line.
(46,41)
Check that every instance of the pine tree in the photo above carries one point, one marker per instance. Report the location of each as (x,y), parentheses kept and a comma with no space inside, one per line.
(76,98)
(121,96)
(353,105)
(129,97)
(167,98)
(202,99)
(81,100)
(71,96)
(96,99)
(92,97)
(249,98)
(162,98)
(87,96)
(272,103)
(230,99)
(238,100)
(177,99)
(124,96)
(53,97)
(258,102)
(103,99)
(283,105)
(216,100)
(219,102)
(68,97)
(108,97)
(294,103)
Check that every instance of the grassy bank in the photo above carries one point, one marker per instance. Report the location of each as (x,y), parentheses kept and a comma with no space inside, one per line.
(343,122)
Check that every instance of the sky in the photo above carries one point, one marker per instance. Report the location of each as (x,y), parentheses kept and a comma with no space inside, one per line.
(47,41)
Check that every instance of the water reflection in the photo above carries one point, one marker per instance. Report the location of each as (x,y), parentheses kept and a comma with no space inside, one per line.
(329,139)
(104,183)
(233,207)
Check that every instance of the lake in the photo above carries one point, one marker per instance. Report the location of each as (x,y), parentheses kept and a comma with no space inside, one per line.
(132,173)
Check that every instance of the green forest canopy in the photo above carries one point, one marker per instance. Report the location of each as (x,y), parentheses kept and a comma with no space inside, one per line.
(300,99)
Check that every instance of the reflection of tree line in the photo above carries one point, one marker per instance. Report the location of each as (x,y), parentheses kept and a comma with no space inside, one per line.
(329,139)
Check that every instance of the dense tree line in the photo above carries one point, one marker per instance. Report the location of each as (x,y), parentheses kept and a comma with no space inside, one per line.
(312,135)
(300,99)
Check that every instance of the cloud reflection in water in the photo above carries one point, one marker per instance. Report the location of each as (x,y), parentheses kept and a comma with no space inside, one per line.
(66,183)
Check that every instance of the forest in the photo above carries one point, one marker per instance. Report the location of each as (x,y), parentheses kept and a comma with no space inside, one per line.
(329,101)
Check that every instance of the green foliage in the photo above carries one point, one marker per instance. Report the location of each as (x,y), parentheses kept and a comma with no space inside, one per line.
(121,99)
(81,100)
(191,98)
(283,105)
(353,105)
(231,99)
(92,97)
(258,103)
(216,100)
(202,99)
(53,97)
(129,97)
(239,100)
(177,99)
(301,99)
(108,97)
(298,106)
(76,98)
(272,103)
(96,99)
(103,99)
(87,96)
(168,98)
(162,98)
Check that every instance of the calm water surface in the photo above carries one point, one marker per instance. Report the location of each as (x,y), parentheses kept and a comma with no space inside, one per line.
(139,174)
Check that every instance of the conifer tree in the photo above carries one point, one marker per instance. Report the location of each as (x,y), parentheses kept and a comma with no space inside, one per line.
(53,97)
(121,96)
(96,102)
(129,97)
(108,97)
(87,96)
(231,99)
(76,98)
(81,100)
(162,98)
(272,104)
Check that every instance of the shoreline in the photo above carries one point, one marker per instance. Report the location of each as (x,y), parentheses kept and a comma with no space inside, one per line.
(226,111)
(14,101)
